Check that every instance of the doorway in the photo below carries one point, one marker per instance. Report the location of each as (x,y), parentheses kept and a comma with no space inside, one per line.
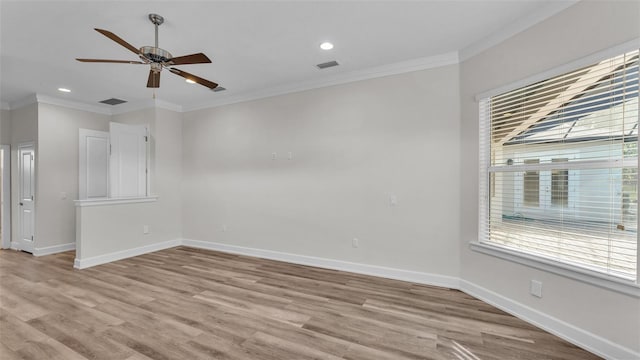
(26,194)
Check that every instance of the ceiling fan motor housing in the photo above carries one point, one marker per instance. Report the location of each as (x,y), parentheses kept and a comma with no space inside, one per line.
(155,54)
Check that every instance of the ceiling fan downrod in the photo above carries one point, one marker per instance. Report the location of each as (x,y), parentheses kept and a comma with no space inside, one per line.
(156,20)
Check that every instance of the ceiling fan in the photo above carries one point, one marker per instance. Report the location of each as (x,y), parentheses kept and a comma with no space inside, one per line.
(157,58)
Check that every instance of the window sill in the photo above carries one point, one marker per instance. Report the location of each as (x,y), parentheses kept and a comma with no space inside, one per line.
(626,287)
(115,201)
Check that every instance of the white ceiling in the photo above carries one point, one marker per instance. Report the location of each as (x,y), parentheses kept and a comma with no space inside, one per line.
(258,48)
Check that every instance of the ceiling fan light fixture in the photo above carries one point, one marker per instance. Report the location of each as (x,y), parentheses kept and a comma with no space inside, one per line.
(64,90)
(190,81)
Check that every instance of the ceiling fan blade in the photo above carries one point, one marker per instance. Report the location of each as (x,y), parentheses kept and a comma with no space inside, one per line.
(198,58)
(154,79)
(110,61)
(197,79)
(117,39)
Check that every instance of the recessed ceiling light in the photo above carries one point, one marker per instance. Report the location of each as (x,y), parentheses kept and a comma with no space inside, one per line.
(64,90)
(326,46)
(190,81)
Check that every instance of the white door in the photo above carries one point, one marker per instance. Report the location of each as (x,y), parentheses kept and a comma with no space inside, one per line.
(26,174)
(128,160)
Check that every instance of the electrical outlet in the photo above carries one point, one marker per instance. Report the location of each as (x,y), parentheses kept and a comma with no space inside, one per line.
(274,155)
(536,288)
(224,228)
(355,242)
(145,229)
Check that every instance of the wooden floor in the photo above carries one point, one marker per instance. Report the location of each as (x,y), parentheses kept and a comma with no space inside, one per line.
(184,303)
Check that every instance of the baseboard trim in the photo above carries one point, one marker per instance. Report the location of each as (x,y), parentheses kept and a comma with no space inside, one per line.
(584,339)
(119,255)
(54,249)
(365,269)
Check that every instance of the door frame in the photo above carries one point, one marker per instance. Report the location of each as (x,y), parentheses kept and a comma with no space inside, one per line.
(5,219)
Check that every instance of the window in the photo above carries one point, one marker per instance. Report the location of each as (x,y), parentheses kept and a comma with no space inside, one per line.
(559,169)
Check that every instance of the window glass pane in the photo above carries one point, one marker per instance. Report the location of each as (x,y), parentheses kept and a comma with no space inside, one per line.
(532,185)
(559,185)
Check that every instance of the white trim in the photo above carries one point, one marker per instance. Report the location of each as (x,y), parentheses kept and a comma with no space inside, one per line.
(143,105)
(518,26)
(119,255)
(424,63)
(161,104)
(610,163)
(562,69)
(131,107)
(15,246)
(54,249)
(98,109)
(115,201)
(584,275)
(358,268)
(584,339)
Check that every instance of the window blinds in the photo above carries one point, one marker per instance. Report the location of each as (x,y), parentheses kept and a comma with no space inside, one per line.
(559,168)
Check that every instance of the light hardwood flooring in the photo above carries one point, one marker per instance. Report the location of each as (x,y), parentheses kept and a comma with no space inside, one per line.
(184,303)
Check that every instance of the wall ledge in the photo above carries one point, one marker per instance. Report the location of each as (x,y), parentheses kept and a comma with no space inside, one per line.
(115,201)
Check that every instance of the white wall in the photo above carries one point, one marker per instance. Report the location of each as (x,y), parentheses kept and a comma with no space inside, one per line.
(57,171)
(5,127)
(582,29)
(353,147)
(5,139)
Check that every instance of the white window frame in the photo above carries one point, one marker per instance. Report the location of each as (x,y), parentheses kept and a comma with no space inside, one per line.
(603,280)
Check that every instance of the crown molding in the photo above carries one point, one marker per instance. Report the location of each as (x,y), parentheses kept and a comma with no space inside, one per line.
(145,104)
(515,27)
(336,79)
(161,104)
(45,99)
(98,109)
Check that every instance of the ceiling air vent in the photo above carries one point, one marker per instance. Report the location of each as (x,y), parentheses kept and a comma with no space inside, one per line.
(218,88)
(113,101)
(327,64)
